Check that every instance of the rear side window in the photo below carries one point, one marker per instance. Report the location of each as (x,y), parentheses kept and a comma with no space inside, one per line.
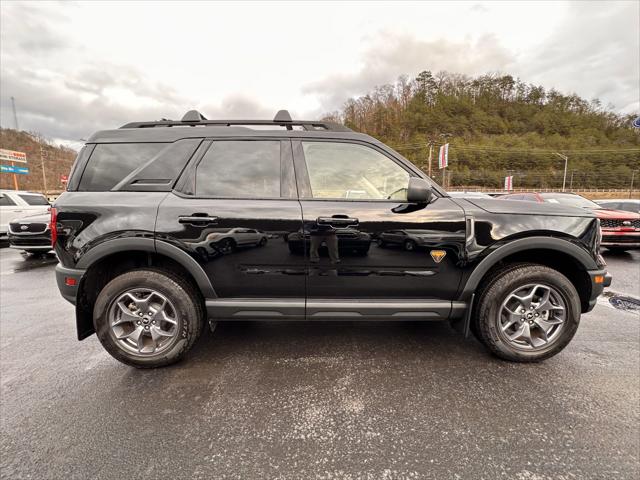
(240,169)
(5,201)
(34,199)
(112,162)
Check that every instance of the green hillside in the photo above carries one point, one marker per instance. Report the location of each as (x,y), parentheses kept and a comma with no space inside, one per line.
(496,124)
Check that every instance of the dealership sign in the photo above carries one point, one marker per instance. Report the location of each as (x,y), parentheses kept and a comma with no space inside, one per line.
(14,169)
(12,156)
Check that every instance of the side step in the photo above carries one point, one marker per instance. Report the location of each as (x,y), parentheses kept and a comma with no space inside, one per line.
(333,309)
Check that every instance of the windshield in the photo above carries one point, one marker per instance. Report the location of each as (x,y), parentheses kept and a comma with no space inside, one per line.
(573,200)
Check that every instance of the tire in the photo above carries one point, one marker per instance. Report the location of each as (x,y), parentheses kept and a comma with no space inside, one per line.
(489,311)
(410,245)
(227,246)
(381,243)
(262,242)
(186,305)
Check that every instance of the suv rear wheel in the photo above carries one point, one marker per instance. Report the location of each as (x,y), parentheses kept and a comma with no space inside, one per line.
(148,318)
(527,313)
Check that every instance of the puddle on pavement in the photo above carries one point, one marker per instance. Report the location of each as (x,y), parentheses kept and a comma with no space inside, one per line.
(623,302)
(32,262)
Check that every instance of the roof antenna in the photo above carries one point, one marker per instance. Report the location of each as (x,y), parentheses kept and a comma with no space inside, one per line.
(193,116)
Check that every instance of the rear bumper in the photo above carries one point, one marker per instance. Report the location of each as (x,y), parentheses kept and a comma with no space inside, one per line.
(600,279)
(68,280)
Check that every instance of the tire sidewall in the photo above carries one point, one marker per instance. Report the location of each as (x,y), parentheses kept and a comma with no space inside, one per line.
(510,281)
(184,304)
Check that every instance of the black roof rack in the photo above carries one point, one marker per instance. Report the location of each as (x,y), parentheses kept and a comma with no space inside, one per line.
(283,119)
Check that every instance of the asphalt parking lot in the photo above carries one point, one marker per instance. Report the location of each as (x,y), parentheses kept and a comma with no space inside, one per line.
(314,400)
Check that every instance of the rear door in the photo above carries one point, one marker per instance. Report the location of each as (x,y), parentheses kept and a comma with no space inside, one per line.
(376,261)
(232,188)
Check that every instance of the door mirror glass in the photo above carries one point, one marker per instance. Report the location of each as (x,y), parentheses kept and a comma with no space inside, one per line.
(419,191)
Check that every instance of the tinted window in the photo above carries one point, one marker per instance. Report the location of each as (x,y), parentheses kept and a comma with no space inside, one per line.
(240,169)
(34,199)
(111,162)
(5,201)
(349,170)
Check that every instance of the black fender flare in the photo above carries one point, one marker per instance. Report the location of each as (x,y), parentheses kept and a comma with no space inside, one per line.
(522,244)
(150,245)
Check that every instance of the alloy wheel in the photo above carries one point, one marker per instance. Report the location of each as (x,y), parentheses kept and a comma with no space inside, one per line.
(532,317)
(143,322)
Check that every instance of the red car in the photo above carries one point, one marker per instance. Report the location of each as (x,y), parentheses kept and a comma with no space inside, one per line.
(620,229)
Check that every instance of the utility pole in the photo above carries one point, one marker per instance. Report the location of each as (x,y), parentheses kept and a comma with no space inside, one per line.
(633,174)
(430,154)
(44,175)
(15,115)
(566,160)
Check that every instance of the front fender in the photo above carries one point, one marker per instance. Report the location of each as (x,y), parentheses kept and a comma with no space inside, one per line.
(530,243)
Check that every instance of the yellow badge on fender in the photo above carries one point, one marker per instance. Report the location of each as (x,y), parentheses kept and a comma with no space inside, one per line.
(438,255)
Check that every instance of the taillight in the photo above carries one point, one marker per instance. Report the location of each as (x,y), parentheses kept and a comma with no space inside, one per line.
(53,226)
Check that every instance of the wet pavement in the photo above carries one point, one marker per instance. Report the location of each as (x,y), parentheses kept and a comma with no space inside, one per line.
(314,400)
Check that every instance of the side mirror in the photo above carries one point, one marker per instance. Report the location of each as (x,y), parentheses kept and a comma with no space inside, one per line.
(419,191)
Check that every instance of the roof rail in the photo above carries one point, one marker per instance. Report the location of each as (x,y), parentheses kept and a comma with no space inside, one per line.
(282,119)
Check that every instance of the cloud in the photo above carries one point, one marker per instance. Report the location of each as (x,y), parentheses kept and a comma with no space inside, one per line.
(396,55)
(595,52)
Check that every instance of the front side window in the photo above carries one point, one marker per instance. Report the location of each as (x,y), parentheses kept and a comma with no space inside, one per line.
(353,171)
(240,169)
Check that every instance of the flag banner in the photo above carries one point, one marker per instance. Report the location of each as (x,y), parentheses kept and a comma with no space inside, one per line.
(508,183)
(443,156)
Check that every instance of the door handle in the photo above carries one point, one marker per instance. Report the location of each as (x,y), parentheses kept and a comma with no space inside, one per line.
(342,221)
(198,220)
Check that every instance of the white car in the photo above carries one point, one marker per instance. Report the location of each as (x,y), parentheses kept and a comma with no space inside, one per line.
(16,204)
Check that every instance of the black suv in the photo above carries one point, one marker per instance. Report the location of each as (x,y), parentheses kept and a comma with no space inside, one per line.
(167,224)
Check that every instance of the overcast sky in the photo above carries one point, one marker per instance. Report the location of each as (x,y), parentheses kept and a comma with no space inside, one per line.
(74,68)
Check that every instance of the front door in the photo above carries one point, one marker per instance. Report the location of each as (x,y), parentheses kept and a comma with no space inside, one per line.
(362,239)
(235,210)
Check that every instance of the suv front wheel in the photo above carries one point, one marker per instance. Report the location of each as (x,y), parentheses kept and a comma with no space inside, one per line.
(148,318)
(527,313)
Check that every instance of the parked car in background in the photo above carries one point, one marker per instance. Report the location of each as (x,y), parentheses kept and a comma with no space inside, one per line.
(31,234)
(16,204)
(626,204)
(465,194)
(620,228)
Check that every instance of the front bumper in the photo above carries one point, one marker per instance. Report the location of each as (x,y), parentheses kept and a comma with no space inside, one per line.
(68,280)
(40,241)
(620,238)
(600,279)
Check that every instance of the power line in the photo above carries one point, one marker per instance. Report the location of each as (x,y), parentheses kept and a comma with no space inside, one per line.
(532,152)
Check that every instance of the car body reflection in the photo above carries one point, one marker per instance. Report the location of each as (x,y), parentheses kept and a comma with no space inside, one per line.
(331,242)
(411,240)
(219,242)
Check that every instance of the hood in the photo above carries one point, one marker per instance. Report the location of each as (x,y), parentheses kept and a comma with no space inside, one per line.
(37,218)
(518,207)
(610,214)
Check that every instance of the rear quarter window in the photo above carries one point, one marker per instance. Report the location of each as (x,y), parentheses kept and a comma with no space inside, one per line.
(34,199)
(137,166)
(111,162)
